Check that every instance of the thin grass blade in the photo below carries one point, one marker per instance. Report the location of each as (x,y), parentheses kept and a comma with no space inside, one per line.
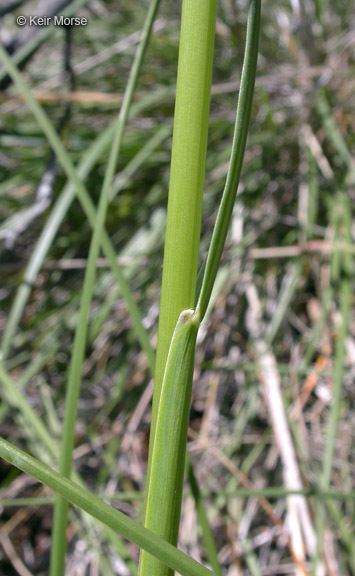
(58,549)
(84,198)
(239,142)
(109,516)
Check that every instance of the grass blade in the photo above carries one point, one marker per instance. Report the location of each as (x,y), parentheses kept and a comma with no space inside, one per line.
(239,142)
(208,539)
(58,550)
(83,196)
(94,506)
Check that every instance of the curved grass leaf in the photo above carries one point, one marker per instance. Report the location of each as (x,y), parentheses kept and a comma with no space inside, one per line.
(225,211)
(84,198)
(111,517)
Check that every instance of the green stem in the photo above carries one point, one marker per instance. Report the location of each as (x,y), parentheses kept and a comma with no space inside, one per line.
(186,178)
(164,494)
(172,396)
(180,257)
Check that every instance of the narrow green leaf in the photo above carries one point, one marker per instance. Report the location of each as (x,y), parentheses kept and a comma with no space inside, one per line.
(109,516)
(207,535)
(59,543)
(225,211)
(83,196)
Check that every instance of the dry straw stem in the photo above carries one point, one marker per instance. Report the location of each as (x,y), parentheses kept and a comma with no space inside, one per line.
(13,556)
(302,532)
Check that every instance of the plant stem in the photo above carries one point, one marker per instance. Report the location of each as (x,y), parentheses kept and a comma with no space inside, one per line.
(181,249)
(186,178)
(187,174)
(168,436)
(163,505)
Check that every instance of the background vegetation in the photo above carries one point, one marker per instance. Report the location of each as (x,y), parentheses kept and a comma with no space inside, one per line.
(283,307)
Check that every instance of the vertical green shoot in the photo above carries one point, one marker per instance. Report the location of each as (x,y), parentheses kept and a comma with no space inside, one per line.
(180,264)
(172,397)
(163,506)
(186,175)
(58,550)
(245,101)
